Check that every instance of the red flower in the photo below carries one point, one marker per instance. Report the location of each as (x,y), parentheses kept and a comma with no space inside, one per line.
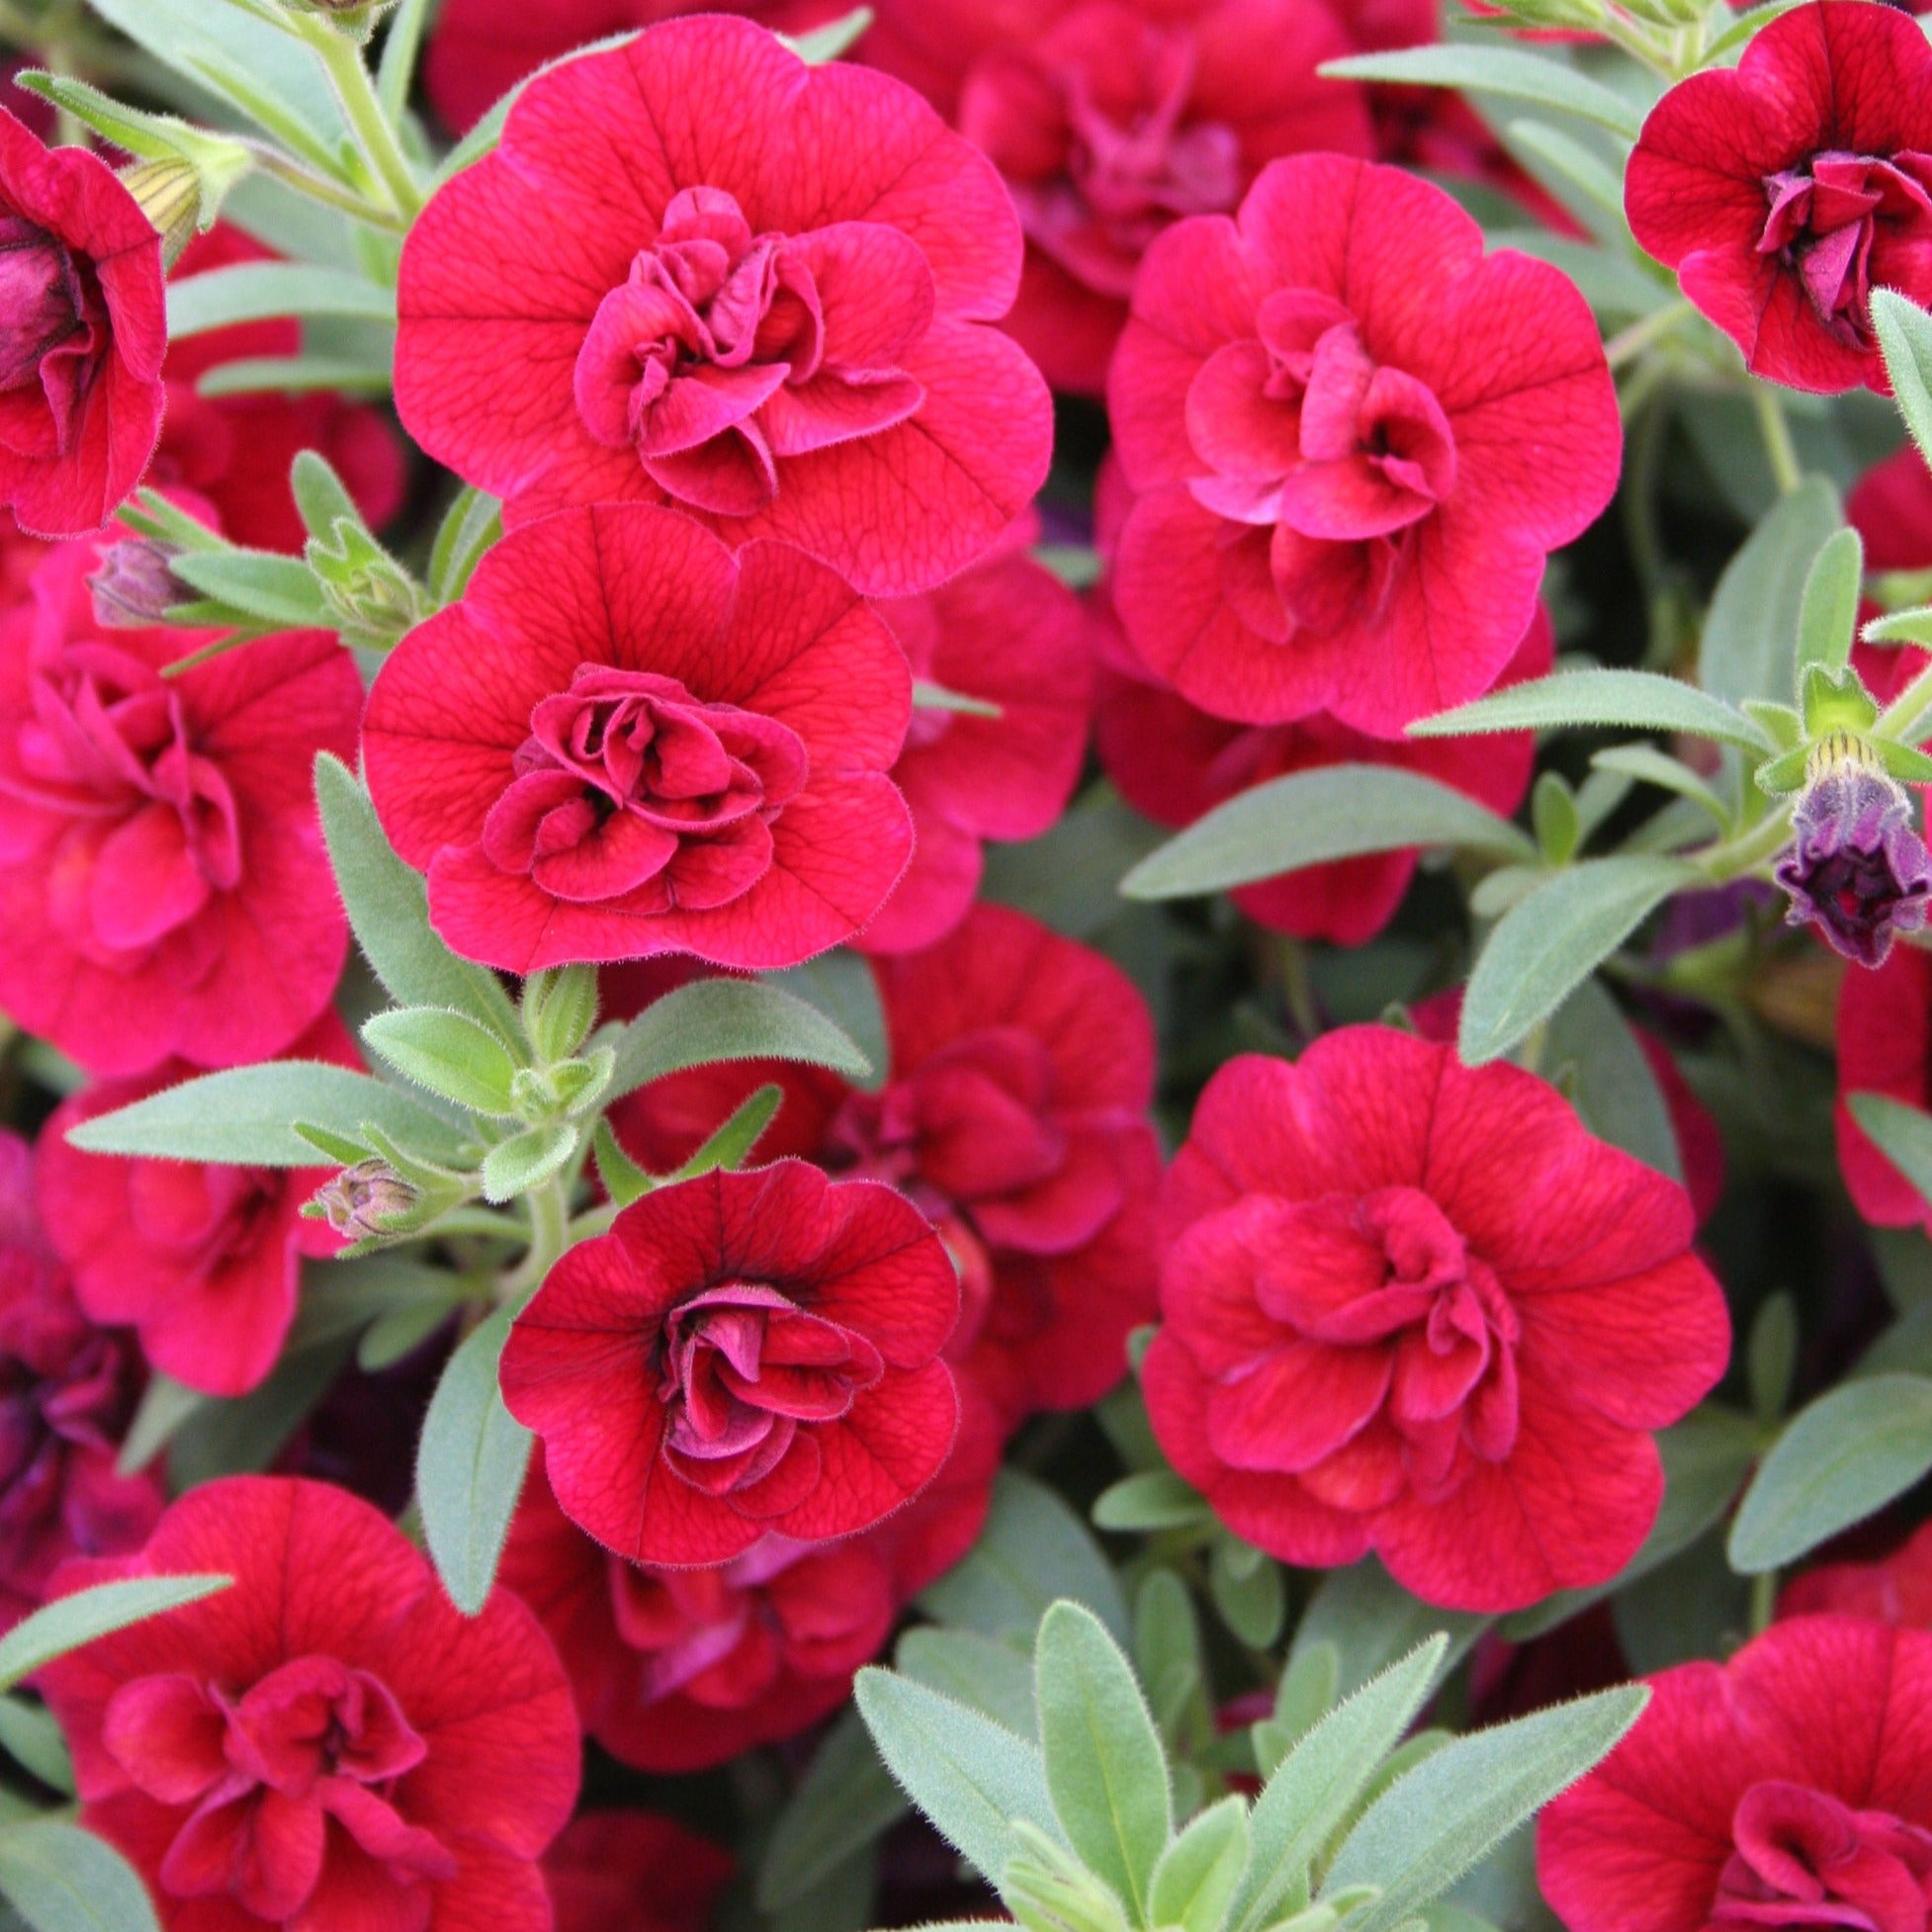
(1410,1306)
(677,1669)
(1176,763)
(1015,1114)
(1895,1589)
(203,1261)
(1884,1046)
(1790,1787)
(163,885)
(743,1354)
(755,290)
(1112,119)
(625,741)
(328,1746)
(1356,439)
(1009,633)
(1784,190)
(84,332)
(633,1871)
(68,1392)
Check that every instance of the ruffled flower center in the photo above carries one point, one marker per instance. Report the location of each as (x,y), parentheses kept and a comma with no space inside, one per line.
(1824,217)
(289,1786)
(739,1368)
(629,788)
(1322,457)
(50,327)
(1806,1860)
(726,350)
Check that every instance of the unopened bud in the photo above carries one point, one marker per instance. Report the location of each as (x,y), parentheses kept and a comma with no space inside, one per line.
(367,1200)
(373,600)
(181,193)
(135,584)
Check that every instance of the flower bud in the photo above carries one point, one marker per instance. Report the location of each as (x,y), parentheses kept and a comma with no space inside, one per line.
(373,600)
(1856,868)
(367,1200)
(135,585)
(169,193)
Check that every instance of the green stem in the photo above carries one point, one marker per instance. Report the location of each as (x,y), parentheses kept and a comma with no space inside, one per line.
(1779,449)
(375,132)
(1630,344)
(318,188)
(1764,1602)
(1640,44)
(1749,850)
(1905,718)
(550,1236)
(484,1221)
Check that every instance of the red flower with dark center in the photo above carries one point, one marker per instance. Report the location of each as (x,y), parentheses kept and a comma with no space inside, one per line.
(1014,1114)
(625,741)
(1785,190)
(742,1354)
(633,1871)
(764,299)
(1894,1589)
(1884,1046)
(676,1669)
(1354,439)
(83,328)
(1412,1306)
(163,885)
(68,1392)
(327,1746)
(1788,1787)
(203,1262)
(1109,119)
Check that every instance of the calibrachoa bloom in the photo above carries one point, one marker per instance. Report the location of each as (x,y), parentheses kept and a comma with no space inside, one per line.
(1010,634)
(84,331)
(1175,762)
(675,1669)
(728,282)
(163,886)
(742,1355)
(1109,119)
(626,742)
(1790,1787)
(1884,1046)
(1354,440)
(328,1746)
(1015,1114)
(1412,1306)
(1784,190)
(1895,1589)
(68,1392)
(203,1262)
(633,1871)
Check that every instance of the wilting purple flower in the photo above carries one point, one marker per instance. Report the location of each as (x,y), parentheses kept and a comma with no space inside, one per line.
(1855,868)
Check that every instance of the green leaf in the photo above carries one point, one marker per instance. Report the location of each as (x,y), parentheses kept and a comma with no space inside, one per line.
(738,1136)
(246,1116)
(845,1801)
(164,1406)
(70,1622)
(1033,1551)
(61,1878)
(1318,1783)
(841,986)
(1370,1620)
(400,1332)
(243,1436)
(449,1053)
(713,1021)
(624,1181)
(1496,70)
(260,292)
(1197,1877)
(831,42)
(1840,1460)
(388,911)
(1828,610)
(1575,173)
(1903,1135)
(1905,333)
(472,524)
(33,1739)
(1437,1822)
(515,1166)
(1551,939)
(280,593)
(1158,1499)
(1749,648)
(1655,768)
(1168,1658)
(970,1776)
(1577,700)
(1105,1770)
(401,47)
(982,1674)
(1310,817)
(1246,1590)
(470,1467)
(1610,1082)
(1771,1357)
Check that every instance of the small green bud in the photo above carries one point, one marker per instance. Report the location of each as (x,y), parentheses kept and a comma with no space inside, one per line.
(373,600)
(560,1008)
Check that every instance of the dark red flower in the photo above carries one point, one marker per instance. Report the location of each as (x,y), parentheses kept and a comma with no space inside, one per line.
(743,1354)
(163,886)
(1784,190)
(328,1746)
(625,741)
(728,282)
(1109,119)
(1894,1589)
(1176,763)
(1354,439)
(676,1669)
(203,1262)
(1010,634)
(84,331)
(1413,1306)
(1791,1787)
(1884,1046)
(68,1392)
(1015,1114)
(633,1871)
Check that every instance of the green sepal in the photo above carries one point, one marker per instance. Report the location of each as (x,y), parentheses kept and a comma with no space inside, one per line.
(1784,773)
(1780,722)
(1904,762)
(1836,701)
